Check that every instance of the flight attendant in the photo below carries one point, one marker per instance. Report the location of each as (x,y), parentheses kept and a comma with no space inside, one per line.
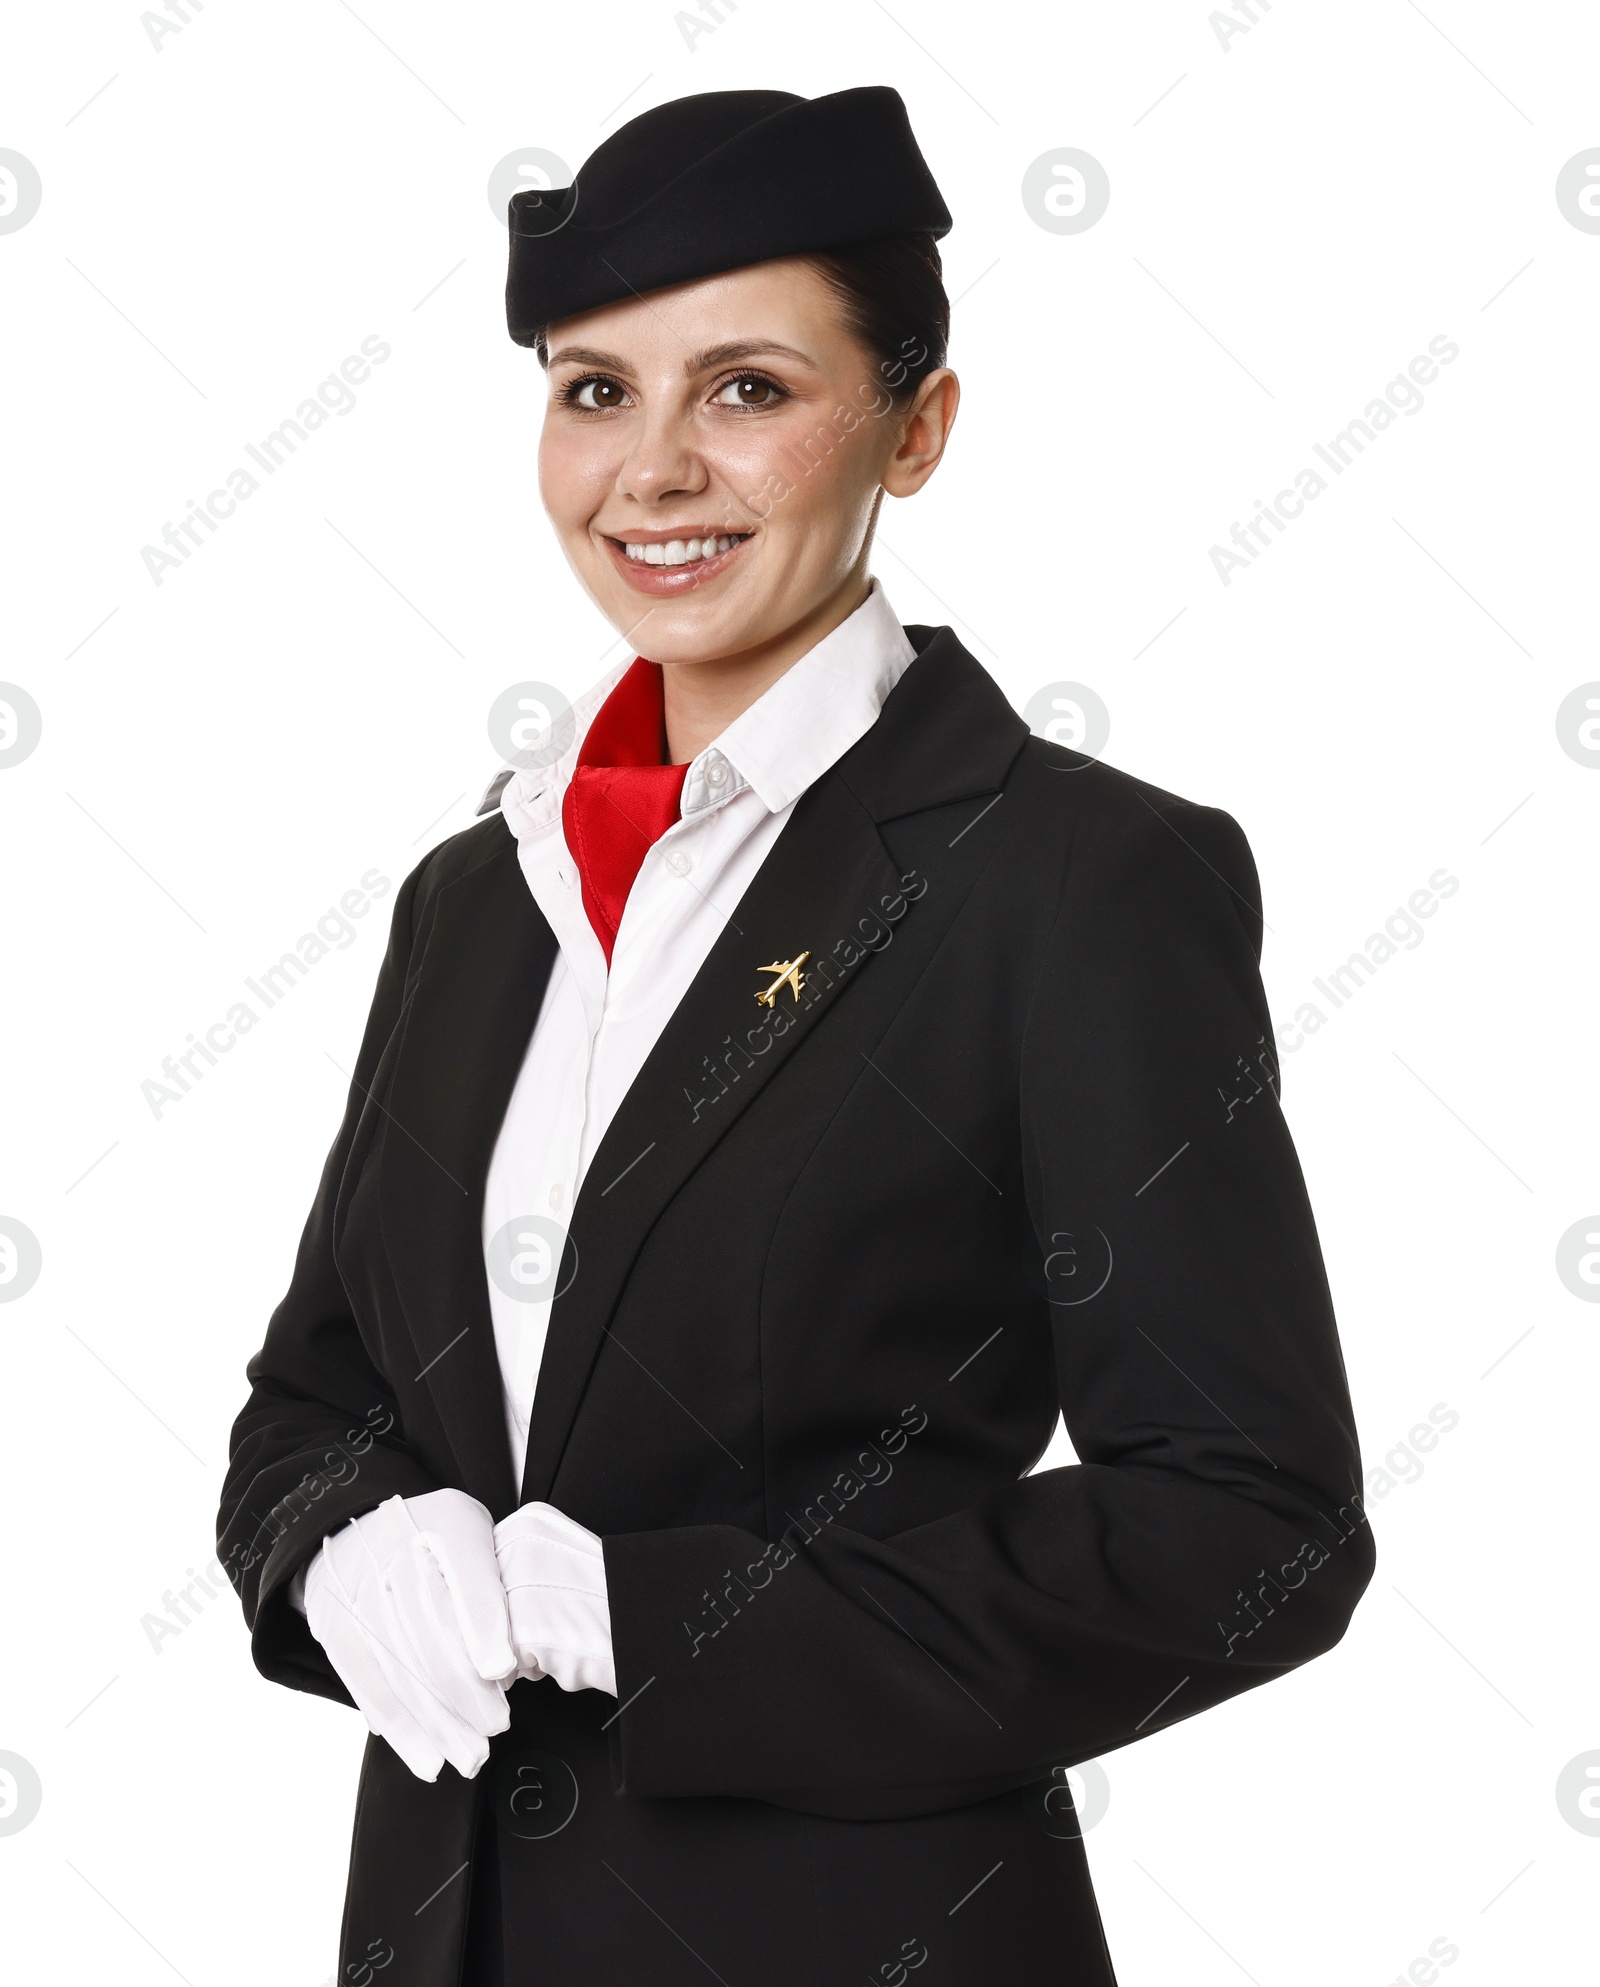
(797,1086)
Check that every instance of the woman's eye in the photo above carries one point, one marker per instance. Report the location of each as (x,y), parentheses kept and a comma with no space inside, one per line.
(748,390)
(595,394)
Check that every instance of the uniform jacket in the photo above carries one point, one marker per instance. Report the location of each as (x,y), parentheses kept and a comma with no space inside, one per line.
(835,1266)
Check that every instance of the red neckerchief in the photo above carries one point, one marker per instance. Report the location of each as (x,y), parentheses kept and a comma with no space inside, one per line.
(622,797)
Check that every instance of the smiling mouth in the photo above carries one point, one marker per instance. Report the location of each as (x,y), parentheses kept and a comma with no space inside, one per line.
(667,564)
(680,551)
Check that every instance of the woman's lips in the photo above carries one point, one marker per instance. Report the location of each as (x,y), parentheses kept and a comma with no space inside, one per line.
(672,579)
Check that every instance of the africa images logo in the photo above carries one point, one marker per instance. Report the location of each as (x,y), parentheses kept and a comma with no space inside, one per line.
(1401,395)
(333,395)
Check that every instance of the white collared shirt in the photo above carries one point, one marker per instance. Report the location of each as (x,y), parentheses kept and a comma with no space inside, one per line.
(596,1028)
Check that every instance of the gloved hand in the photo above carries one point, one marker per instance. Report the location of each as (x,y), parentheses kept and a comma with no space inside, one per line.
(554,1575)
(407,1602)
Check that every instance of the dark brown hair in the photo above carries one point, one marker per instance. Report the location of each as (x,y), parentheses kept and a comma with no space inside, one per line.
(892,290)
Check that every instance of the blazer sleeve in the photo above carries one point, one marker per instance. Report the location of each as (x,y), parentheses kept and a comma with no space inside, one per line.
(1212,1535)
(318,1441)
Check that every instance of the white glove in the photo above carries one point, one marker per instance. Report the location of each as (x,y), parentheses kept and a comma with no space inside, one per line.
(407,1603)
(554,1575)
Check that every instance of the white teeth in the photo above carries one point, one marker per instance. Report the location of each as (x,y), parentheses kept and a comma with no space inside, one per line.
(680,551)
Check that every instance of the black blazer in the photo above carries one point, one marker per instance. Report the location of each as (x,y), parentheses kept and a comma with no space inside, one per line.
(832,1271)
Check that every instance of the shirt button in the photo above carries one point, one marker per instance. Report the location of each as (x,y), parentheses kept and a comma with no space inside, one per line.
(716,772)
(678,862)
(558,1194)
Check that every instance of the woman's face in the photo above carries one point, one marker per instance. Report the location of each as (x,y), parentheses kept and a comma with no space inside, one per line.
(713,456)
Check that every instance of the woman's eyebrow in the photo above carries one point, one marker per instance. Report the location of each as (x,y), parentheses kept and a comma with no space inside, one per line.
(712,356)
(582,355)
(708,359)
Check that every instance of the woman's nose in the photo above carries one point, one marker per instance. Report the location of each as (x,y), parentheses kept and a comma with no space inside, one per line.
(662,462)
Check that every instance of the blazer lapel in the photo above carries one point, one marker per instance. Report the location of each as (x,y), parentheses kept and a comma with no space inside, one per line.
(828,870)
(828,886)
(472,1008)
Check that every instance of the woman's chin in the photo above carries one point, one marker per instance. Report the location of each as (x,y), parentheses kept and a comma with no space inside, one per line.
(681,629)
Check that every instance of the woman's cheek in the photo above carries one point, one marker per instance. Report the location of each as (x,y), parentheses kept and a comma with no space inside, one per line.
(818,461)
(759,478)
(576,470)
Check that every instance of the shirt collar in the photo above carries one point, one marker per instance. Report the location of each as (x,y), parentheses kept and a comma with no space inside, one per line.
(531,798)
(788,738)
(805,722)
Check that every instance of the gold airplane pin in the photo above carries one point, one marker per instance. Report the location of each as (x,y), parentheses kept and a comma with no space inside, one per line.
(789,975)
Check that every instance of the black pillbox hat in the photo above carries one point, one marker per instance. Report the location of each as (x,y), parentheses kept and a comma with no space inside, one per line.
(714,182)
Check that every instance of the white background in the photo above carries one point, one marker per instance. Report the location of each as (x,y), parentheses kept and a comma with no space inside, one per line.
(225,754)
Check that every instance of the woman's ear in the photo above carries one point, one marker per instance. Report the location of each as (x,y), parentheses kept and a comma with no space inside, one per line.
(926,429)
